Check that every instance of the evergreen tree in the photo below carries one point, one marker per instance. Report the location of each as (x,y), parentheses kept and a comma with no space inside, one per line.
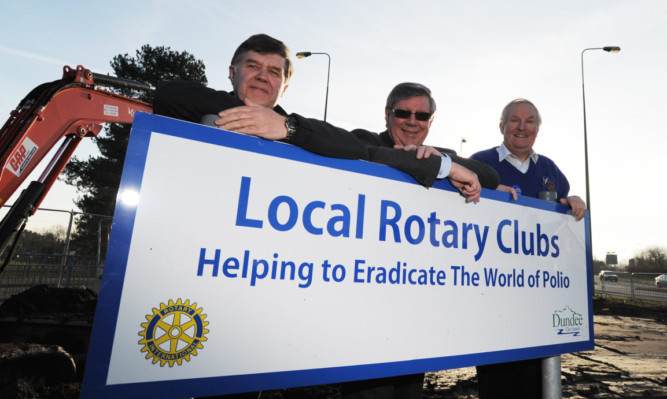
(97,178)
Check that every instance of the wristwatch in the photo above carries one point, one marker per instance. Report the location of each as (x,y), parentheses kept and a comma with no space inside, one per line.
(291,125)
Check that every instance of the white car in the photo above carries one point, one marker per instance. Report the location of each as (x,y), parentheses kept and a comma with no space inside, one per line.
(661,281)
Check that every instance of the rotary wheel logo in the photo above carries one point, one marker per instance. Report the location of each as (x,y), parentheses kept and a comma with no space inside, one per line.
(173,333)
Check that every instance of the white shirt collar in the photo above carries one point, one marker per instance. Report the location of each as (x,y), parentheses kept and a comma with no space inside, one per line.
(522,166)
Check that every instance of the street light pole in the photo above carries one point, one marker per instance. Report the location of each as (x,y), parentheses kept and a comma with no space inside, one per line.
(551,385)
(305,54)
(609,49)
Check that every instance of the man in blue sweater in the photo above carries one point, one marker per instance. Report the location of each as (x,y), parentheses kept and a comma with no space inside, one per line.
(521,168)
(519,165)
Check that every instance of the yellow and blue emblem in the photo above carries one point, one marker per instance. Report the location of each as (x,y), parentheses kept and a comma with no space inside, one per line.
(173,332)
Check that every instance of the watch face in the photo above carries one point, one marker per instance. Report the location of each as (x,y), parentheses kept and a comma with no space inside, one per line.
(290,124)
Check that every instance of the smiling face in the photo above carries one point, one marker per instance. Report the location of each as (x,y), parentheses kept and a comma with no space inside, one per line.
(410,130)
(259,78)
(520,129)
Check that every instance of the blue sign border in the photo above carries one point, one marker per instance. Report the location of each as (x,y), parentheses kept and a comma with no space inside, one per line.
(99,355)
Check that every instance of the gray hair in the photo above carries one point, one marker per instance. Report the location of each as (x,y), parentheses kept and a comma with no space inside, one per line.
(407,90)
(516,101)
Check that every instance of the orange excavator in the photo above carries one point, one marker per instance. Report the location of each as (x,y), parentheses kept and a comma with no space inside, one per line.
(67,110)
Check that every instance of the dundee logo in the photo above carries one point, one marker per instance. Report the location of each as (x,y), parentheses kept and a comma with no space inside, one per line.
(173,333)
(567,321)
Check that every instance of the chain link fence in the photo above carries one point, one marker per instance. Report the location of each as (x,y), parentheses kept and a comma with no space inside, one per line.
(634,286)
(47,254)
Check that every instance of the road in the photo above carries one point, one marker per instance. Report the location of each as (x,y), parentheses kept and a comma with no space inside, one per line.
(629,287)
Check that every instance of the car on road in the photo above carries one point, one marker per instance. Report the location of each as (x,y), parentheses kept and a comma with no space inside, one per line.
(661,281)
(608,276)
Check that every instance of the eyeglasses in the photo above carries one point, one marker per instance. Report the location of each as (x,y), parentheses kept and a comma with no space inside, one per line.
(405,114)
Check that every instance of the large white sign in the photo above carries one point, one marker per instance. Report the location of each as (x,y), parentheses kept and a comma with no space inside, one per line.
(239,264)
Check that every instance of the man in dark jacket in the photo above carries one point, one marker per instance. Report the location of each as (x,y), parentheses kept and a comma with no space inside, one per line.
(260,74)
(409,113)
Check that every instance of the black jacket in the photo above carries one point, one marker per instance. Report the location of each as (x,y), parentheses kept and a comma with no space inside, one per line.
(190,101)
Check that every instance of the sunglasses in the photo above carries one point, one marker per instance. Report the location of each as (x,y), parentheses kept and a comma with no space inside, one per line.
(405,114)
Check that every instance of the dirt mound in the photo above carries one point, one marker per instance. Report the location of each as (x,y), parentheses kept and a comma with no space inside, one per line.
(33,370)
(43,302)
(44,335)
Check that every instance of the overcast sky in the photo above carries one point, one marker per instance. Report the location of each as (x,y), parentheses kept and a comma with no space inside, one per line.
(475,56)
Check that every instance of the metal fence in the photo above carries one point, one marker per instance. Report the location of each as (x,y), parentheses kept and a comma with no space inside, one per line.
(47,255)
(635,286)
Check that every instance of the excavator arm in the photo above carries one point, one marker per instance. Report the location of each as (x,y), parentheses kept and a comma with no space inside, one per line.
(72,108)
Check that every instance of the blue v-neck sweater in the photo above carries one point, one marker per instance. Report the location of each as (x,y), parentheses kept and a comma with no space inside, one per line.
(530,182)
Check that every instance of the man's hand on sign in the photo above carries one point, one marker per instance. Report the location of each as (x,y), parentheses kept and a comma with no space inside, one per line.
(577,205)
(462,178)
(254,120)
(508,189)
(466,181)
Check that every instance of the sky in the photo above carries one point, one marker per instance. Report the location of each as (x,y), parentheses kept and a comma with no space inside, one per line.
(475,56)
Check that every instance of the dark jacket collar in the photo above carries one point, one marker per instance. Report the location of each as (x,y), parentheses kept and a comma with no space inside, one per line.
(386,139)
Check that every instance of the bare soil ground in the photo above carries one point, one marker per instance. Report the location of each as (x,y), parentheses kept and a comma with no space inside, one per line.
(629,360)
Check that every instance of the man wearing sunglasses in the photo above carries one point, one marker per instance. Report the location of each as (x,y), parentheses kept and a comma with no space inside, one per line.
(260,72)
(408,113)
